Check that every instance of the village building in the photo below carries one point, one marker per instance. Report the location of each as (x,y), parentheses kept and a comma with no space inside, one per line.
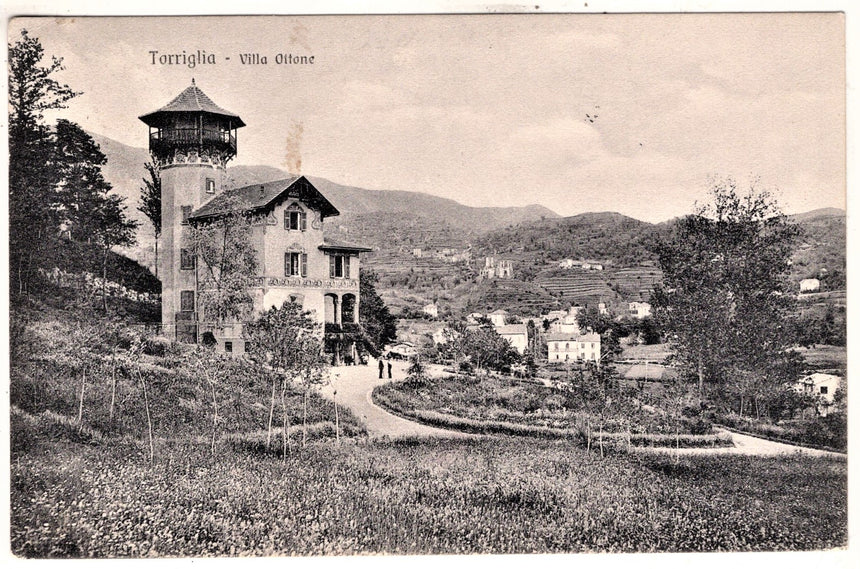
(431,310)
(516,334)
(498,317)
(822,386)
(192,139)
(574,348)
(639,310)
(497,268)
(401,351)
(474,317)
(810,285)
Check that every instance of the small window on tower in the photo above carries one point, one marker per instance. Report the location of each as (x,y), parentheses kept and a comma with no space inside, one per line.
(186,213)
(228,347)
(210,186)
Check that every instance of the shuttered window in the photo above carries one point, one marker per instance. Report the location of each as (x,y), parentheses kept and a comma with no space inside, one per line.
(186,301)
(295,264)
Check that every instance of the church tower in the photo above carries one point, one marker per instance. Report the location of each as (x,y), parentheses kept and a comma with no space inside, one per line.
(191,139)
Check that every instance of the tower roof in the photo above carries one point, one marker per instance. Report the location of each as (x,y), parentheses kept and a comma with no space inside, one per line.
(191,100)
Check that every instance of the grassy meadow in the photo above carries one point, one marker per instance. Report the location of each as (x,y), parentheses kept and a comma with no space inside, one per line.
(502,495)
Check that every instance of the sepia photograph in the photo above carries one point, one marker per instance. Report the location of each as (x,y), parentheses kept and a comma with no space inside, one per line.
(427,284)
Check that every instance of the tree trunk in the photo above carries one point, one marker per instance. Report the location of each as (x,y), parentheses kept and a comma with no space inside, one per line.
(214,418)
(148,417)
(701,380)
(287,447)
(81,403)
(156,256)
(104,279)
(336,419)
(271,414)
(305,418)
(112,390)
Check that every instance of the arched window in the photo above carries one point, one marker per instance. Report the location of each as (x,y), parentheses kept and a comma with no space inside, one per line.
(295,218)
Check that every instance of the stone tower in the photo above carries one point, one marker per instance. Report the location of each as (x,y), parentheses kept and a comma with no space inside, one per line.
(191,139)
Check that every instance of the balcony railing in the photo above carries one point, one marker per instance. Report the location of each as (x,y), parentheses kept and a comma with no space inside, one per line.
(169,138)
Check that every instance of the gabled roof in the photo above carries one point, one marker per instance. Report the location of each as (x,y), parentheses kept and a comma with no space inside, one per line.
(259,198)
(191,100)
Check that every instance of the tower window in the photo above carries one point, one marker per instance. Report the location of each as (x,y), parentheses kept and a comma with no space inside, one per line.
(295,218)
(210,186)
(186,301)
(228,347)
(295,264)
(186,213)
(339,266)
(823,390)
(186,259)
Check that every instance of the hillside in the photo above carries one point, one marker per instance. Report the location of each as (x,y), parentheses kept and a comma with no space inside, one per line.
(612,238)
(383,219)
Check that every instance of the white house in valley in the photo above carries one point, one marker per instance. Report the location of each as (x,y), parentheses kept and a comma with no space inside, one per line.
(516,334)
(574,348)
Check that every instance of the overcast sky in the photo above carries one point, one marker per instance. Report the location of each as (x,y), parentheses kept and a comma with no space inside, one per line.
(497,109)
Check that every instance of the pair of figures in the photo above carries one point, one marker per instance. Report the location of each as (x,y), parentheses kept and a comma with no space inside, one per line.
(382,368)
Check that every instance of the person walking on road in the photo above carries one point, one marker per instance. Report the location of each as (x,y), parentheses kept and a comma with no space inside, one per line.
(389,369)
(381,367)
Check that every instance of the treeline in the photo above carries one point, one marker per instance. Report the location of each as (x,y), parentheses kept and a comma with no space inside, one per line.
(57,193)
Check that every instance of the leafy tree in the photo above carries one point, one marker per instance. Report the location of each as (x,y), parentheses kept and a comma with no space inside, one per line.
(379,325)
(725,300)
(592,319)
(286,340)
(150,202)
(90,213)
(488,350)
(33,177)
(228,262)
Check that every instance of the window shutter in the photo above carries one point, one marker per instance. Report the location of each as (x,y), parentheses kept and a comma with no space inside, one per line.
(303,219)
(304,264)
(286,219)
(331,266)
(287,265)
(346,266)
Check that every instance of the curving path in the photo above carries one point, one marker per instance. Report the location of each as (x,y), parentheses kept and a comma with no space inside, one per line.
(746,444)
(354,385)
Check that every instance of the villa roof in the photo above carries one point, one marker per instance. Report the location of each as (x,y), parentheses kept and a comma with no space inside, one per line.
(259,198)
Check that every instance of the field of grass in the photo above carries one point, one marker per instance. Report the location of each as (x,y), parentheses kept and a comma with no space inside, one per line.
(504,495)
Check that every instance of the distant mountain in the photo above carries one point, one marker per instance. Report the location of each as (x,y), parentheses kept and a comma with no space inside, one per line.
(605,236)
(370,214)
(819,214)
(821,251)
(395,222)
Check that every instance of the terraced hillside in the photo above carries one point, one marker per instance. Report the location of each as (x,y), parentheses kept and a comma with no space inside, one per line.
(517,297)
(636,282)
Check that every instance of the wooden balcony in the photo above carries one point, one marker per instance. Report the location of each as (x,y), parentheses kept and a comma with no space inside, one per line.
(166,140)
